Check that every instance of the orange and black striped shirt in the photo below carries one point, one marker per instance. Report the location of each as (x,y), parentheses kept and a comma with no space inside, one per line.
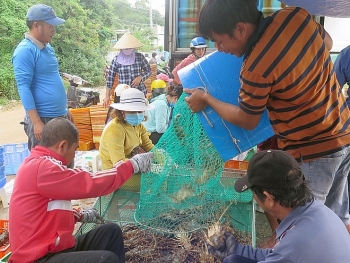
(289,72)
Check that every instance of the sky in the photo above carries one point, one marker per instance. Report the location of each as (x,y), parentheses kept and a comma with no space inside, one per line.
(156,4)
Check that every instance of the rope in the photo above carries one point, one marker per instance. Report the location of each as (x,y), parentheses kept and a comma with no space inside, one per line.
(204,88)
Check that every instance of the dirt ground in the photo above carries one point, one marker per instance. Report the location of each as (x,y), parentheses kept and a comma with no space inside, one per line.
(11,131)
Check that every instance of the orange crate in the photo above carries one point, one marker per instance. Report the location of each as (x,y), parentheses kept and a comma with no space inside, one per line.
(234,164)
(86,146)
(5,249)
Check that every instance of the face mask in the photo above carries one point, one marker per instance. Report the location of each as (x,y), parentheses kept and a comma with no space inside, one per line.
(172,103)
(127,51)
(134,119)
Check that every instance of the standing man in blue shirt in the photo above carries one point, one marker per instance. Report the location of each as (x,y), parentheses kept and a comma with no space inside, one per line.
(37,73)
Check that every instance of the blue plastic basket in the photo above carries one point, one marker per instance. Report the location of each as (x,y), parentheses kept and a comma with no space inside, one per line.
(14,155)
(1,155)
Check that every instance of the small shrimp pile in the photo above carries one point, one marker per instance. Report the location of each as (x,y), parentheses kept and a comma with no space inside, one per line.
(144,246)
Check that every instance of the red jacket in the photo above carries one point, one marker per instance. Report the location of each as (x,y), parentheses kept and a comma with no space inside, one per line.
(41,214)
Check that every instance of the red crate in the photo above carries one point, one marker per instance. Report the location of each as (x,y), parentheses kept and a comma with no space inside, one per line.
(234,164)
(5,249)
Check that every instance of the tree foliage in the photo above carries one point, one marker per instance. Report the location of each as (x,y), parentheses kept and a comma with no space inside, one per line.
(83,41)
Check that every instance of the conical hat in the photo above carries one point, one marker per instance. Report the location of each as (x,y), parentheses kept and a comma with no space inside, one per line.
(127,41)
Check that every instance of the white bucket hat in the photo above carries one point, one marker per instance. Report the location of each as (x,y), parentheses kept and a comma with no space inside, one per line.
(120,88)
(127,41)
(132,100)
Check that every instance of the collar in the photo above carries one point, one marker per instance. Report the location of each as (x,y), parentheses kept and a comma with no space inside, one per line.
(290,220)
(257,34)
(40,151)
(34,41)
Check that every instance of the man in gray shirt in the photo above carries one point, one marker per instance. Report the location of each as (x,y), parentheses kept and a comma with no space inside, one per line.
(302,236)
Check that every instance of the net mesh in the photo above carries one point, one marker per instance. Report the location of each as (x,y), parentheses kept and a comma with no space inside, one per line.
(188,188)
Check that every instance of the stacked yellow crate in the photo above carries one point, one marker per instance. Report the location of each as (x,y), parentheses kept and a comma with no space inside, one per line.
(83,123)
(98,116)
(149,81)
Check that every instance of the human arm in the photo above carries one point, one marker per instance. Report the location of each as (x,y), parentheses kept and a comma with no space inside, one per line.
(145,72)
(38,125)
(161,118)
(326,37)
(188,60)
(115,141)
(231,246)
(90,215)
(146,142)
(198,100)
(55,181)
(342,66)
(24,67)
(70,116)
(106,100)
(328,41)
(113,70)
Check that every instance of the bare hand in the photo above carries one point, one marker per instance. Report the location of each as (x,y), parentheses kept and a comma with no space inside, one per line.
(197,100)
(70,116)
(38,128)
(106,102)
(136,81)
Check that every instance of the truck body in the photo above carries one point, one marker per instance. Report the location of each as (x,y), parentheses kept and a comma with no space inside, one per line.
(181,26)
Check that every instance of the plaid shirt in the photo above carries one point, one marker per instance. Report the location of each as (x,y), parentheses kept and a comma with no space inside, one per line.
(126,73)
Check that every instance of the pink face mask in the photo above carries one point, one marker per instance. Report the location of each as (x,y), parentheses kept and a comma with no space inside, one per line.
(127,51)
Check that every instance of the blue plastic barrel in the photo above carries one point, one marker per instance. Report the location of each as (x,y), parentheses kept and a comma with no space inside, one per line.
(188,22)
(218,73)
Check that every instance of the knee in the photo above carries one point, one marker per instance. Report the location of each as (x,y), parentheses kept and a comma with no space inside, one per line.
(108,257)
(113,228)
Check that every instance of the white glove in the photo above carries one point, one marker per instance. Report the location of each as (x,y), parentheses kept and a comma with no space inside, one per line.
(91,216)
(142,162)
(226,250)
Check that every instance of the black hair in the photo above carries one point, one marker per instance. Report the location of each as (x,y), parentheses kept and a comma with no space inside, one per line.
(222,16)
(289,196)
(57,130)
(154,54)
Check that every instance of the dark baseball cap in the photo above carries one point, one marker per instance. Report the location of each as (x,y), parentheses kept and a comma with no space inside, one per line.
(44,13)
(270,169)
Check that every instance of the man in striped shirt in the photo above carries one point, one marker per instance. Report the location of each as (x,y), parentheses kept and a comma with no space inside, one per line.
(286,69)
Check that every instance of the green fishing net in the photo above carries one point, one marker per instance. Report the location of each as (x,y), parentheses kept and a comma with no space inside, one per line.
(188,188)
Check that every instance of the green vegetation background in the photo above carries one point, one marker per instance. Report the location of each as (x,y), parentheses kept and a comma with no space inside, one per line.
(82,42)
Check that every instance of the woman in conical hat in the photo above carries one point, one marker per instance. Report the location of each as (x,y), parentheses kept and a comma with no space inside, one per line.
(131,66)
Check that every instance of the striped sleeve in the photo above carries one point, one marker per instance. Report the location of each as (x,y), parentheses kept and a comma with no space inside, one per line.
(289,71)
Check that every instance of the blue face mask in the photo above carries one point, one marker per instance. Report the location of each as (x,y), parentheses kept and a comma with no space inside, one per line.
(171,104)
(134,119)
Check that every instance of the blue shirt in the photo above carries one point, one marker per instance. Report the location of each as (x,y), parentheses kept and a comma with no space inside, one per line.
(309,234)
(38,80)
(342,69)
(158,117)
(342,66)
(127,73)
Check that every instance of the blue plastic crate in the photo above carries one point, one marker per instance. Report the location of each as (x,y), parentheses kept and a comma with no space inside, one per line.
(14,154)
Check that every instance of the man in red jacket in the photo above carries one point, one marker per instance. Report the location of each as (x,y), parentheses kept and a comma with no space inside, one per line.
(41,214)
